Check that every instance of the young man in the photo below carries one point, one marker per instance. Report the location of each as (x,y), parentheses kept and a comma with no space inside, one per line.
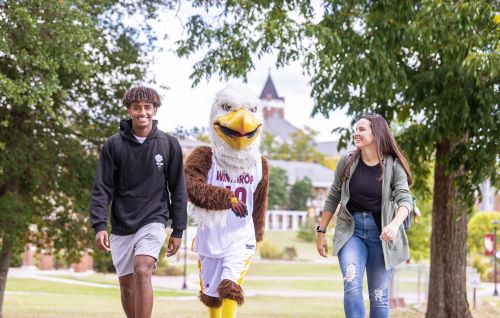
(140,169)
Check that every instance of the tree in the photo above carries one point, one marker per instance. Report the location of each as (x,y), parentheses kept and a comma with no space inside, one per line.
(300,192)
(278,187)
(301,147)
(273,149)
(430,64)
(63,65)
(198,133)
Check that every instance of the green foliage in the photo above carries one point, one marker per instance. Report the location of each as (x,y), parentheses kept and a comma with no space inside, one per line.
(481,265)
(16,260)
(63,67)
(278,188)
(301,147)
(103,262)
(290,253)
(198,133)
(300,192)
(480,224)
(273,149)
(419,235)
(431,65)
(268,250)
(168,270)
(307,233)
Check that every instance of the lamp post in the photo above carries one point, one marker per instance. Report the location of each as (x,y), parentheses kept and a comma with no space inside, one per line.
(184,284)
(495,225)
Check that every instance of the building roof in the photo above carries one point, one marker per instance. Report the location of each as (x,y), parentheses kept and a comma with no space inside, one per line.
(329,148)
(280,128)
(320,176)
(269,90)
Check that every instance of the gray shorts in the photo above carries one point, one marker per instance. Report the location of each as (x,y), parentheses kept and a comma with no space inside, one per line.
(147,241)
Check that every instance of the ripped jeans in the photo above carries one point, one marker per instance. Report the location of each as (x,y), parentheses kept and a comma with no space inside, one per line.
(364,250)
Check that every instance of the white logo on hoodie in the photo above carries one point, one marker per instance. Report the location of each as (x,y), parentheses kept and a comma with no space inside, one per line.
(159,160)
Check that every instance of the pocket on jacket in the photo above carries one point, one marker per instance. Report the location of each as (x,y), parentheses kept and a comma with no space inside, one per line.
(400,243)
(343,226)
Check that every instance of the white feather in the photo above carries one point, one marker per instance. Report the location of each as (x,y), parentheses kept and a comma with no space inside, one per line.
(209,218)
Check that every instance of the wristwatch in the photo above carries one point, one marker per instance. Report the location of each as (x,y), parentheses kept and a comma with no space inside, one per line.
(320,229)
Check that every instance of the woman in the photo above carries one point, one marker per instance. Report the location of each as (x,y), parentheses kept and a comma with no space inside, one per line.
(371,186)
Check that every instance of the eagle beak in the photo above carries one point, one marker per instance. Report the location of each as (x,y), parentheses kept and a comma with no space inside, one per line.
(238,128)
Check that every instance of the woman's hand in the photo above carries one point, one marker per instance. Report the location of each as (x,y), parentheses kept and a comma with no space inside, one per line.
(390,232)
(321,244)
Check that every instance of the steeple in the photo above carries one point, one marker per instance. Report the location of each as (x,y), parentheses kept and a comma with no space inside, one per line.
(269,91)
(273,104)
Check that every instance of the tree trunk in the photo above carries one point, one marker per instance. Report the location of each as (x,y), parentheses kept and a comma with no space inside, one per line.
(447,288)
(5,255)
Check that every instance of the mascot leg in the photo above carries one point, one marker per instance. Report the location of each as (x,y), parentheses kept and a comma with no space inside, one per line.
(232,296)
(229,308)
(213,304)
(214,312)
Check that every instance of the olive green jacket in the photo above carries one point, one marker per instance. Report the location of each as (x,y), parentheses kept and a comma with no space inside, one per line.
(396,251)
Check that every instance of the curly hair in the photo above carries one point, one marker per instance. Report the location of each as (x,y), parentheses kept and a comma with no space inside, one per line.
(141,94)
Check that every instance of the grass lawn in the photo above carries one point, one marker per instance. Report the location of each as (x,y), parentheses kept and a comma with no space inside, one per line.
(313,285)
(305,250)
(30,298)
(26,298)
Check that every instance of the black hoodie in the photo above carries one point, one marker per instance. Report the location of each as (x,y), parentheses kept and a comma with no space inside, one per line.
(136,177)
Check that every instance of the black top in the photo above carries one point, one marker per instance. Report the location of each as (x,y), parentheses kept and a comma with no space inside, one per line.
(365,187)
(145,182)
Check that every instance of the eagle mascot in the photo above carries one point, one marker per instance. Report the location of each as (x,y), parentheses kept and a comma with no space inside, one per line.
(227,187)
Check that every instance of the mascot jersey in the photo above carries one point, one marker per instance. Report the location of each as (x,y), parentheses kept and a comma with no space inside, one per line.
(234,235)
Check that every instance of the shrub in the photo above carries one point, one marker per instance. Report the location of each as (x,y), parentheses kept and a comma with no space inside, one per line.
(103,262)
(169,271)
(478,225)
(307,233)
(289,253)
(268,250)
(481,266)
(16,260)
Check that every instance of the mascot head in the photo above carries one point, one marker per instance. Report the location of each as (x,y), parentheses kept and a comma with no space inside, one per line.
(235,129)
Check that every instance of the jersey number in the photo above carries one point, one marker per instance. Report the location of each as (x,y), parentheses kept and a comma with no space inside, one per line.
(240,193)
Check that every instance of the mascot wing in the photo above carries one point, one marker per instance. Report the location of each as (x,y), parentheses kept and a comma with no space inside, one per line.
(260,202)
(200,193)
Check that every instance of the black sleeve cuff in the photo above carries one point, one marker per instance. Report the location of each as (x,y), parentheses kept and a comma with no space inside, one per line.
(99,227)
(177,233)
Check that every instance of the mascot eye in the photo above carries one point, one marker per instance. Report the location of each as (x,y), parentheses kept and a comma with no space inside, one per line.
(226,107)
(253,109)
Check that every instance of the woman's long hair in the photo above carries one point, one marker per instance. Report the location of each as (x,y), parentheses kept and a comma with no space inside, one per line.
(386,145)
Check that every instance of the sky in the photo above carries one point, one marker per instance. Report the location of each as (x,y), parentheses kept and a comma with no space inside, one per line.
(185,106)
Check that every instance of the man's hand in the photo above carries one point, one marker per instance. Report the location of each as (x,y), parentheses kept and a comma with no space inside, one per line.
(321,244)
(102,241)
(239,208)
(173,245)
